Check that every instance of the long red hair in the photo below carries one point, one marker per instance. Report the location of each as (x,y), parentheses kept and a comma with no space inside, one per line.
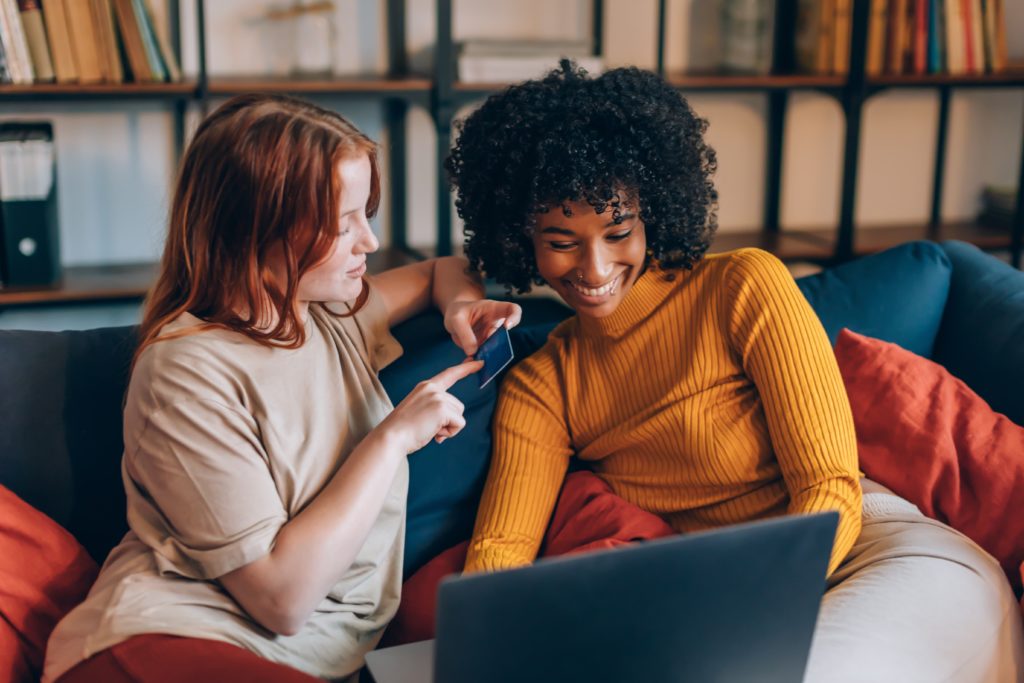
(259,175)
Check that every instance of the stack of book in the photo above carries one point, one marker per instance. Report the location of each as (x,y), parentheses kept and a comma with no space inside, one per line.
(747,35)
(998,206)
(904,37)
(84,41)
(508,61)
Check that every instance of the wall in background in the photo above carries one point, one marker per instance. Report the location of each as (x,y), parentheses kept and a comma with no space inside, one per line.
(116,163)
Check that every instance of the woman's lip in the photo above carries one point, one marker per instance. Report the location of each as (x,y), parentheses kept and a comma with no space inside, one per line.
(356,272)
(616,283)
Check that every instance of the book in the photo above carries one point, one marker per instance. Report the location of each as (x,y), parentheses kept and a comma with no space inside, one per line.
(524,47)
(16,44)
(131,37)
(995,35)
(84,41)
(921,24)
(156,64)
(503,61)
(106,33)
(747,36)
(970,54)
(843,26)
(59,37)
(998,206)
(1001,57)
(956,61)
(987,17)
(978,36)
(35,36)
(510,69)
(5,75)
(163,40)
(875,58)
(805,36)
(936,36)
(10,72)
(894,36)
(909,25)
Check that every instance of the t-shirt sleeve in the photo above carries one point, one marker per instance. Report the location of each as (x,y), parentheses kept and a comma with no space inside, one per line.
(370,326)
(200,492)
(785,351)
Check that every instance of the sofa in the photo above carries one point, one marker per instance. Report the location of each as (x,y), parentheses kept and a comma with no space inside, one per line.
(61,392)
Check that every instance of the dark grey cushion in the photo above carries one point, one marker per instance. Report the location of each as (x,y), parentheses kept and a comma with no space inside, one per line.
(60,427)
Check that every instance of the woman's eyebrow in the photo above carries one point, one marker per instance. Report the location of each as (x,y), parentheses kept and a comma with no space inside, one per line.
(622,219)
(559,231)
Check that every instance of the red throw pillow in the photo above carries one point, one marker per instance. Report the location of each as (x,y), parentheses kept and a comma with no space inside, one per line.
(44,572)
(927,436)
(588,517)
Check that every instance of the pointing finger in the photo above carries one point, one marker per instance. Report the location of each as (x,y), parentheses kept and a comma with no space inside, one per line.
(446,378)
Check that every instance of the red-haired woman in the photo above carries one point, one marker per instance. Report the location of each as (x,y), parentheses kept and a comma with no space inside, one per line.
(264,465)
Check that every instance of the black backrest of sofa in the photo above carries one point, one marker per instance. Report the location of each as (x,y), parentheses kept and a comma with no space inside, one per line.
(61,400)
(60,427)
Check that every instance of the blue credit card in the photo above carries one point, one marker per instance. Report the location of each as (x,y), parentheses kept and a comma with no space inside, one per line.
(496,353)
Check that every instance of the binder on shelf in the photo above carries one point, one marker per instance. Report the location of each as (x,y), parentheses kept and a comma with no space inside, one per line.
(29,231)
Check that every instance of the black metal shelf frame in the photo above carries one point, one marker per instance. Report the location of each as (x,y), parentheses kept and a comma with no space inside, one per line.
(852,95)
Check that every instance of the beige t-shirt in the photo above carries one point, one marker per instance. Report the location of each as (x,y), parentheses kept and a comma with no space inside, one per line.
(225,441)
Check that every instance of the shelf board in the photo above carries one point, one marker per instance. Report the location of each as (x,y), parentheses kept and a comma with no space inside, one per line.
(698,80)
(87,283)
(356,85)
(787,245)
(819,244)
(131,282)
(1011,77)
(869,240)
(70,91)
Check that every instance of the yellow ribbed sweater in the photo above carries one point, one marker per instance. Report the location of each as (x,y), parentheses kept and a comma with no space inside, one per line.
(709,400)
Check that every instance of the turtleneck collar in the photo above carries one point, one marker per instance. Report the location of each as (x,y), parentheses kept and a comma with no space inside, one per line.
(643,297)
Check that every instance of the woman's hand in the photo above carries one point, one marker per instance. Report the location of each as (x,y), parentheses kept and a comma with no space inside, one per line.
(471,322)
(429,411)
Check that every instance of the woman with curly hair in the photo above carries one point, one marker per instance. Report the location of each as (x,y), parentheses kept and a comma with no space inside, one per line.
(700,388)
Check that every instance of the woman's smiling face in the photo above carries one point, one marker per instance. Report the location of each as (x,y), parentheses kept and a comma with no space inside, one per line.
(588,258)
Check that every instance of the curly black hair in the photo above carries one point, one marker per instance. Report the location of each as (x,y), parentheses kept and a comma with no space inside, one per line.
(625,136)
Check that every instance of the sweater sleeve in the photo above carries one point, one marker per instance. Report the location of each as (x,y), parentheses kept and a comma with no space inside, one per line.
(530,457)
(786,352)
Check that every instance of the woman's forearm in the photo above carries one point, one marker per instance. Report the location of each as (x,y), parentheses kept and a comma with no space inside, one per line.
(453,282)
(315,548)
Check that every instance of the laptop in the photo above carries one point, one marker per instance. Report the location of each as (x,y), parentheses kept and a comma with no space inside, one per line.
(734,604)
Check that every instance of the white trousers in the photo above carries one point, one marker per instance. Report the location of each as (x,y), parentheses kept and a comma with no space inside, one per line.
(915,601)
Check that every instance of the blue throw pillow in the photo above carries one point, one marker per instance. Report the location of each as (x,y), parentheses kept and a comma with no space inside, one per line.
(981,340)
(897,295)
(446,480)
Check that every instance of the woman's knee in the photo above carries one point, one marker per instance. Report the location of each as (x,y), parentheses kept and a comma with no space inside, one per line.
(916,600)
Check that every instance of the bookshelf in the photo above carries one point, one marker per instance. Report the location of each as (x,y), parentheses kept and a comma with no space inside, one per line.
(441,94)
(397,89)
(835,244)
